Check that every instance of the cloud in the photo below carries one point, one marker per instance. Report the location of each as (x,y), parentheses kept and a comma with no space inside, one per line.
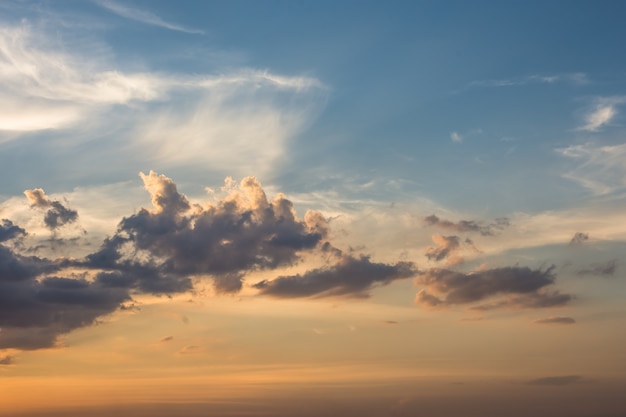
(448,248)
(601,169)
(576,78)
(598,118)
(166,339)
(241,233)
(36,307)
(237,117)
(521,287)
(456,137)
(446,245)
(350,276)
(468,225)
(555,320)
(144,17)
(607,268)
(10,231)
(57,214)
(556,380)
(6,360)
(579,238)
(602,113)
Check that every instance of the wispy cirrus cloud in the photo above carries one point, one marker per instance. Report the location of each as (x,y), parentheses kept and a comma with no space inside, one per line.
(240,117)
(575,78)
(601,169)
(144,16)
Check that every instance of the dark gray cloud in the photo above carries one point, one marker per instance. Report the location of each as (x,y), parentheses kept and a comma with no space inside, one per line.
(578,238)
(10,231)
(57,214)
(556,380)
(469,225)
(605,269)
(36,308)
(350,276)
(520,286)
(555,320)
(241,233)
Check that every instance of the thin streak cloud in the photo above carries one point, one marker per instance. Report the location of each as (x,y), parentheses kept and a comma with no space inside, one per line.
(145,17)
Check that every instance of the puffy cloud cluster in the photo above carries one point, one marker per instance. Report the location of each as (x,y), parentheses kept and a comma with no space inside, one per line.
(242,233)
(57,214)
(468,225)
(162,249)
(508,287)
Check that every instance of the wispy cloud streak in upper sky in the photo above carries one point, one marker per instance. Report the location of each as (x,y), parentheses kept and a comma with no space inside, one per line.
(145,17)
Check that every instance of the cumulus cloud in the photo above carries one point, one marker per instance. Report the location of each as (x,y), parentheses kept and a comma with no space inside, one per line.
(456,137)
(447,246)
(555,320)
(241,233)
(350,276)
(56,215)
(579,238)
(519,287)
(556,380)
(157,251)
(468,225)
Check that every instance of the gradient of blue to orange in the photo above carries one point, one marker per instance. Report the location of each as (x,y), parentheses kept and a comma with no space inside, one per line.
(312,208)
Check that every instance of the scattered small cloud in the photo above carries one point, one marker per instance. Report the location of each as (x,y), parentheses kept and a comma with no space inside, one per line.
(166,339)
(56,215)
(456,137)
(555,320)
(605,269)
(579,238)
(6,360)
(576,78)
(468,225)
(556,380)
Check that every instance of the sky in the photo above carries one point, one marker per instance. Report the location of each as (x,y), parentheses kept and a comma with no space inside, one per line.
(298,209)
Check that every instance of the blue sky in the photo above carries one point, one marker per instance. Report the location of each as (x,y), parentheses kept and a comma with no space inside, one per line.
(423,172)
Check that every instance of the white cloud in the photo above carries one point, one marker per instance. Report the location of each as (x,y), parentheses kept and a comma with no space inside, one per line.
(238,122)
(598,118)
(603,112)
(144,17)
(456,137)
(576,78)
(602,169)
